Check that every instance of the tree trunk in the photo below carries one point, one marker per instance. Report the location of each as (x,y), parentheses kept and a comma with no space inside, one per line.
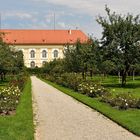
(83,74)
(119,76)
(86,70)
(124,74)
(91,73)
(2,76)
(133,75)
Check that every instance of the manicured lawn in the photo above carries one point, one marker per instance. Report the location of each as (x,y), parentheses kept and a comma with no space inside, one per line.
(111,82)
(129,119)
(19,126)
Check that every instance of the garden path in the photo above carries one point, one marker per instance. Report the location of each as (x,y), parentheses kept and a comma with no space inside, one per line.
(60,117)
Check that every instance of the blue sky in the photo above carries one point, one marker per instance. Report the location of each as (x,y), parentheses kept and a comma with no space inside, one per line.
(69,14)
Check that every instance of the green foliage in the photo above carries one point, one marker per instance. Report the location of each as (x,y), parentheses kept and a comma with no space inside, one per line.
(9,99)
(107,66)
(11,60)
(121,101)
(55,67)
(70,80)
(34,71)
(81,57)
(92,89)
(120,41)
(18,80)
(17,61)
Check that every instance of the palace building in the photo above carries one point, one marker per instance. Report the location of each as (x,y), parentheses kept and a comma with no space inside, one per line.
(40,46)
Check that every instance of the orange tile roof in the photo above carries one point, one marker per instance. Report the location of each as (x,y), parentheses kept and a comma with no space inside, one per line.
(43,36)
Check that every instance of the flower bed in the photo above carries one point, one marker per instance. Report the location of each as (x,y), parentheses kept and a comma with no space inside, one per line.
(121,101)
(91,89)
(10,95)
(94,89)
(19,81)
(9,98)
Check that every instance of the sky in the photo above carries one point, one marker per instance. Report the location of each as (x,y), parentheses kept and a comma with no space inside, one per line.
(68,14)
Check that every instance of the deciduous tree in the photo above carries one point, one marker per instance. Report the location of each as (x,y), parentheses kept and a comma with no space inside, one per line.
(121,40)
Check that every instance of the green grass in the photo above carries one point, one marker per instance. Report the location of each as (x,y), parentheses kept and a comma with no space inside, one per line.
(129,119)
(111,82)
(19,126)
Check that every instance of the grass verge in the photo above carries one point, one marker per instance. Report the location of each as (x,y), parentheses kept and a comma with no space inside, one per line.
(19,126)
(129,119)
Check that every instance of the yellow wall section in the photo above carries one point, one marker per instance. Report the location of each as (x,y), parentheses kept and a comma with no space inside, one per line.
(38,55)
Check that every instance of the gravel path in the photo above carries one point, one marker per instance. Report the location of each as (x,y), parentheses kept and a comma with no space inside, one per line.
(60,117)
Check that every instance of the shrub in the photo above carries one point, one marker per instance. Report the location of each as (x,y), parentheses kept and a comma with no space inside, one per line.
(70,80)
(121,101)
(9,98)
(108,98)
(91,89)
(74,81)
(18,80)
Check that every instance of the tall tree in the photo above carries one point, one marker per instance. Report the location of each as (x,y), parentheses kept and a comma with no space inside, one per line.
(80,57)
(10,59)
(121,40)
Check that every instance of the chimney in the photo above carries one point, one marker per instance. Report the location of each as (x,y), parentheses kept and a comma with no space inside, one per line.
(69,31)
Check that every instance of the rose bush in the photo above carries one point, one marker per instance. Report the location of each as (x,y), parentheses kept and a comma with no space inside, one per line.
(18,80)
(121,101)
(91,89)
(9,98)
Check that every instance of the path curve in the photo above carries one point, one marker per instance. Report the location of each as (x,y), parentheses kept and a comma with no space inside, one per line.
(60,117)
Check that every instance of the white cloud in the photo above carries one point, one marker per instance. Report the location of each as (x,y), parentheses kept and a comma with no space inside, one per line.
(95,7)
(17,14)
(86,6)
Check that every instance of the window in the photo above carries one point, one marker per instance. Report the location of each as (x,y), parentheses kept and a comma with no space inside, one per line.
(43,63)
(44,54)
(32,54)
(32,64)
(55,53)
